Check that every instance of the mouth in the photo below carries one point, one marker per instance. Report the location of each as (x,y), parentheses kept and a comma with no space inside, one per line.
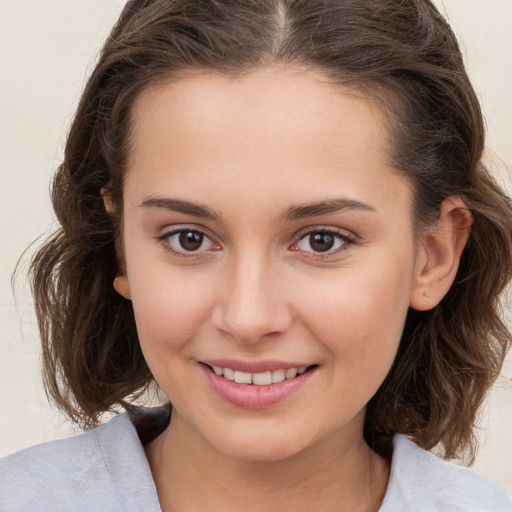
(267,385)
(265,378)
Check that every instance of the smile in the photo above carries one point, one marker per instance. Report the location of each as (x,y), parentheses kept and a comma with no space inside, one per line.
(258,379)
(266,386)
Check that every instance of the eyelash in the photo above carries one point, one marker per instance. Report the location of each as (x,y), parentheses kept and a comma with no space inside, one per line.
(164,239)
(345,242)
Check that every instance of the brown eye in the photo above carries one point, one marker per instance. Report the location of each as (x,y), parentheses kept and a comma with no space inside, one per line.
(322,241)
(190,240)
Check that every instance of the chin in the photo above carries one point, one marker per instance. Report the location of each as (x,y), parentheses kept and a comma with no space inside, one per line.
(261,445)
(263,452)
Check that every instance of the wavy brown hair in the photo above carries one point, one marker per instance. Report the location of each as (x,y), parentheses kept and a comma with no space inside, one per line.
(403,54)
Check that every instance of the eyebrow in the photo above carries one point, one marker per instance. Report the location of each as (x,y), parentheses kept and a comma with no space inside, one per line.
(292,213)
(325,207)
(181,206)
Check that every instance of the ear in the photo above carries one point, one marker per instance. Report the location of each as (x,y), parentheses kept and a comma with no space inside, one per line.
(121,284)
(439,253)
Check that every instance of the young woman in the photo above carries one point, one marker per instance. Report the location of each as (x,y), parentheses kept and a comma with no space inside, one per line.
(277,211)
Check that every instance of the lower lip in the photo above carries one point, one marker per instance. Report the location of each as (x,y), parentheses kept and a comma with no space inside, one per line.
(251,396)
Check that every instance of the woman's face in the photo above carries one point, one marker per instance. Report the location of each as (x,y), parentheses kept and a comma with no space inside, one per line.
(265,233)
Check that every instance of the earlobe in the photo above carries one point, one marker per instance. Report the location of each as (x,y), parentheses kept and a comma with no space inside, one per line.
(107,200)
(121,284)
(439,255)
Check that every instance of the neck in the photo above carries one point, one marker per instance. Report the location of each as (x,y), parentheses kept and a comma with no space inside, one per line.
(334,474)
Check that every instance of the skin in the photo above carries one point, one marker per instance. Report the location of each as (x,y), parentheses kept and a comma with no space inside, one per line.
(251,149)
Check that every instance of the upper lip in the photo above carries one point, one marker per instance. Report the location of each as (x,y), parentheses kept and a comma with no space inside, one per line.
(253,366)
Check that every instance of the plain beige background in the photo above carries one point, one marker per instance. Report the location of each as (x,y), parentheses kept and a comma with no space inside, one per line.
(46,50)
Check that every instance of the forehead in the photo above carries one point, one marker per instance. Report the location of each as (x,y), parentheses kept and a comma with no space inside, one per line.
(271,127)
(294,102)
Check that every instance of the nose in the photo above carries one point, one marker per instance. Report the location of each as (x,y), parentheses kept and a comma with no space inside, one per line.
(252,306)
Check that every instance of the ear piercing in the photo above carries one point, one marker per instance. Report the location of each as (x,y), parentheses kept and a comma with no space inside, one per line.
(426,293)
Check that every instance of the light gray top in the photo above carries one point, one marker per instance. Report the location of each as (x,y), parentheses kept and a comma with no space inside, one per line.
(106,470)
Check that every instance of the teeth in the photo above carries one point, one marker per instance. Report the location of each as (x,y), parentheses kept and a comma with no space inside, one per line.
(290,373)
(228,373)
(277,376)
(262,379)
(243,377)
(259,379)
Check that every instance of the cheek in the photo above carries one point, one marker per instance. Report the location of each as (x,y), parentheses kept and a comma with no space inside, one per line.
(170,306)
(359,315)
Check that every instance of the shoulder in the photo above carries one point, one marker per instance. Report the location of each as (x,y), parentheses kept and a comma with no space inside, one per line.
(423,482)
(97,470)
